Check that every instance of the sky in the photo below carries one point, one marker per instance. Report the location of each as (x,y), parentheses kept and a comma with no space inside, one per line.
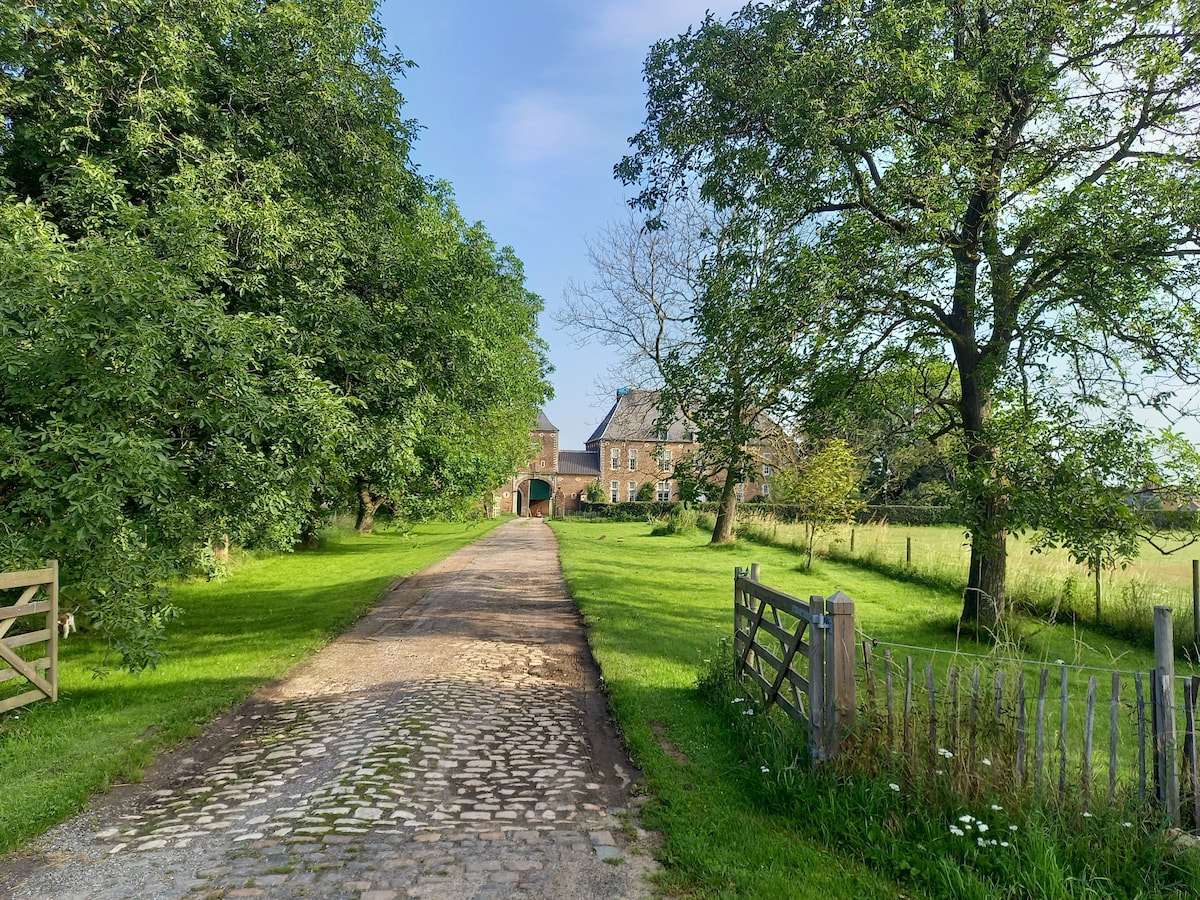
(525,107)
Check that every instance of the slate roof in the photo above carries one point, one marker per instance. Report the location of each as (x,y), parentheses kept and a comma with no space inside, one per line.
(634,418)
(578,462)
(544,424)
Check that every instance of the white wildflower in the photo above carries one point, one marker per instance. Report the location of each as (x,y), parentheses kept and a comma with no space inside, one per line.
(747,712)
(893,786)
(738,700)
(966,818)
(765,770)
(1126,824)
(1086,814)
(956,831)
(986,761)
(1004,843)
(982,826)
(943,752)
(1012,827)
(997,808)
(938,772)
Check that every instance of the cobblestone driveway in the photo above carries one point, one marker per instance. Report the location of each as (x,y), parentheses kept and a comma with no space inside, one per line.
(454,744)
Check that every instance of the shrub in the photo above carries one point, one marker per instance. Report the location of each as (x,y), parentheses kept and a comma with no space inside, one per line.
(681,520)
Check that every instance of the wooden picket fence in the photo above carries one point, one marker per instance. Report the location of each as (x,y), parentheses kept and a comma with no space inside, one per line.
(41,673)
(1074,733)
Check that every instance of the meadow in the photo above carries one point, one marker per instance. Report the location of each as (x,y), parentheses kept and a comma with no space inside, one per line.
(1045,581)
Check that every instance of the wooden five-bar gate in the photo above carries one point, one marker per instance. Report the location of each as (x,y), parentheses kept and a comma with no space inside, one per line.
(801,654)
(38,597)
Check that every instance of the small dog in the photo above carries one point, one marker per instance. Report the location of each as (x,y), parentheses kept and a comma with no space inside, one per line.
(66,621)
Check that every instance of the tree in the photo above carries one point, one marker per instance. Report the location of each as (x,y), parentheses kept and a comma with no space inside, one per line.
(824,485)
(698,302)
(1011,183)
(227,300)
(897,417)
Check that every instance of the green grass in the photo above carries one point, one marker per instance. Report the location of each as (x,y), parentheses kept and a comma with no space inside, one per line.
(656,608)
(235,635)
(1041,580)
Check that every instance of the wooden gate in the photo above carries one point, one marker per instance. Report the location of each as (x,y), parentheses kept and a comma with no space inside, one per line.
(800,654)
(41,673)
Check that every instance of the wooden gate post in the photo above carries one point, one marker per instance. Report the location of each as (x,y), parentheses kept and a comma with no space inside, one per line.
(839,670)
(1165,742)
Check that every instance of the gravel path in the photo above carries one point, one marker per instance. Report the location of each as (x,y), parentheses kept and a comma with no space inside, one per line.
(454,744)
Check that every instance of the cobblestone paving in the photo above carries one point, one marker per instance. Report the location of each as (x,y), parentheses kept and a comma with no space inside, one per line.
(467,768)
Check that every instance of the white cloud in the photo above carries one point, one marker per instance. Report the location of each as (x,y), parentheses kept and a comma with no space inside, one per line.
(540,126)
(639,23)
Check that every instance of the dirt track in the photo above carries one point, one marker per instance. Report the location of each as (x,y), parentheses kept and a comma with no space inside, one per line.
(454,744)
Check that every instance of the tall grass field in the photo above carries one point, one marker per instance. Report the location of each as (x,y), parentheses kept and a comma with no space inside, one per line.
(1046,581)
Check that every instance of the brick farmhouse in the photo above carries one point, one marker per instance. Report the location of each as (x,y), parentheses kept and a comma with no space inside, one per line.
(629,448)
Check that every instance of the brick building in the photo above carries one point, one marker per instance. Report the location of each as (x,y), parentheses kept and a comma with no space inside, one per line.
(629,448)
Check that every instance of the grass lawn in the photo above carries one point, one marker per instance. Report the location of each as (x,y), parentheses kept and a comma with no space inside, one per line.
(656,608)
(235,635)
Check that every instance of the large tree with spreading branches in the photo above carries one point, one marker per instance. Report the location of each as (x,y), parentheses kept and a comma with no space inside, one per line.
(1012,184)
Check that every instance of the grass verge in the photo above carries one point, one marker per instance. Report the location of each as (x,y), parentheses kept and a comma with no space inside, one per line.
(740,816)
(235,636)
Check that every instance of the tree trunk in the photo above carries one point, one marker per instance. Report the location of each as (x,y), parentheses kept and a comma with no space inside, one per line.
(368,505)
(726,513)
(984,599)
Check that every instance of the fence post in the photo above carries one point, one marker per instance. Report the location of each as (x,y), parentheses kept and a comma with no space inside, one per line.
(908,551)
(754,571)
(1167,761)
(52,624)
(839,667)
(817,730)
(1196,601)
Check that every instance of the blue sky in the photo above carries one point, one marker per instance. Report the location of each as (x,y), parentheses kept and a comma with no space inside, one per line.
(525,107)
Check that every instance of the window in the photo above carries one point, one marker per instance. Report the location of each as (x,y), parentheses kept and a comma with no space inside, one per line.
(542,464)
(664,491)
(766,470)
(741,493)
(766,491)
(664,460)
(632,460)
(633,486)
(614,491)
(616,459)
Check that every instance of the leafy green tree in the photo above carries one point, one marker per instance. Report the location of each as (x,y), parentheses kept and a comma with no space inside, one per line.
(824,485)
(1011,184)
(226,299)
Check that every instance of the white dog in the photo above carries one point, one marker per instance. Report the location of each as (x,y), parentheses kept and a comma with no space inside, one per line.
(66,622)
